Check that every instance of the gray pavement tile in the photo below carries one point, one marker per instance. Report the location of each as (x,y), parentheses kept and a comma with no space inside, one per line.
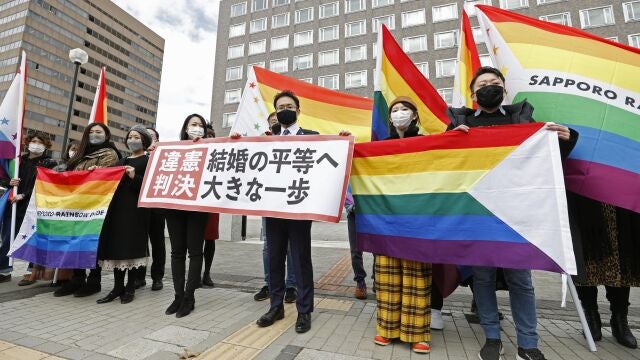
(75,354)
(310,354)
(50,347)
(178,335)
(142,348)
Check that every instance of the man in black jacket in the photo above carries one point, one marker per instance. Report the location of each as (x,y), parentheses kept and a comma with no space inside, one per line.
(488,92)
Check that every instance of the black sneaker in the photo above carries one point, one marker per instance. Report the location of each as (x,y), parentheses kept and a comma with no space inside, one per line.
(5,278)
(529,354)
(263,294)
(290,295)
(492,350)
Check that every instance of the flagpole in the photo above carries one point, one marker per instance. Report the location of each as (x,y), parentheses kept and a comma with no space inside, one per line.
(583,319)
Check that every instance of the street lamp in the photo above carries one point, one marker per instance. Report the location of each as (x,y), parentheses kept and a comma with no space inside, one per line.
(78,57)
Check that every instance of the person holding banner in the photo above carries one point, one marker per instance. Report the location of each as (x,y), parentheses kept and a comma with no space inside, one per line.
(95,150)
(187,232)
(403,287)
(37,145)
(123,240)
(487,89)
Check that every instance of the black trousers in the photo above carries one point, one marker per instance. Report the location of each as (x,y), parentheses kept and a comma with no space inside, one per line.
(156,238)
(436,297)
(186,233)
(618,297)
(279,233)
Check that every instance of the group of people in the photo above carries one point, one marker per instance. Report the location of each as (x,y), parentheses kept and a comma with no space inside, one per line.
(408,302)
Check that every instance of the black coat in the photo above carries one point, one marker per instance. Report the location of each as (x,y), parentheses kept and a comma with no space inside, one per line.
(125,232)
(27,173)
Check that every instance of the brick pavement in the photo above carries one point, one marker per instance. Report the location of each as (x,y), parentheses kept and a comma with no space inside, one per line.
(343,328)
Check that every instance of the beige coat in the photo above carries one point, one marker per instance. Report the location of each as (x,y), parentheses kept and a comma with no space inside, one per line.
(104,157)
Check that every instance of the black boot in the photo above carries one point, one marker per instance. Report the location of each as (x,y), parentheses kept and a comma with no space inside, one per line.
(69,287)
(207,283)
(595,325)
(93,284)
(620,329)
(173,308)
(187,306)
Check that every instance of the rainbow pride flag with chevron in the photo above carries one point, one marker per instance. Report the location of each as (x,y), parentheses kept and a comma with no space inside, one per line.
(583,81)
(490,197)
(64,219)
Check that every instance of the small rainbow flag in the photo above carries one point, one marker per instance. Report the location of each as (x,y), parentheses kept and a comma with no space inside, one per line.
(321,109)
(468,64)
(397,75)
(491,197)
(65,216)
(583,81)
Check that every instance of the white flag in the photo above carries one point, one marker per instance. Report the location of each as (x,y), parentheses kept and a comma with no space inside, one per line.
(251,118)
(28,227)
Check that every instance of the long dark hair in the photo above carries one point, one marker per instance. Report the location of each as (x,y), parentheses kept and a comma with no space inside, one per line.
(183,131)
(84,147)
(65,156)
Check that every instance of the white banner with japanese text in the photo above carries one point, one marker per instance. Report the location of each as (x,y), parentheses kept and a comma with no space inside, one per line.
(291,177)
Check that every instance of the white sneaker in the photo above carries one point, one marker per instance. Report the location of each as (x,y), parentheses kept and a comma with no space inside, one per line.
(436,320)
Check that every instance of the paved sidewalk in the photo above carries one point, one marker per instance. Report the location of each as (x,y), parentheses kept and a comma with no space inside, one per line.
(35,325)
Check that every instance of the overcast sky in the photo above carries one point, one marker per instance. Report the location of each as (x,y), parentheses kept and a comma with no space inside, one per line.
(189,30)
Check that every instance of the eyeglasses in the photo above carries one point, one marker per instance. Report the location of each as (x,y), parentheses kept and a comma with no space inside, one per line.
(288,107)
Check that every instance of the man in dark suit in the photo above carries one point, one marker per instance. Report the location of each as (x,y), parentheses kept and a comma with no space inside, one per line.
(282,231)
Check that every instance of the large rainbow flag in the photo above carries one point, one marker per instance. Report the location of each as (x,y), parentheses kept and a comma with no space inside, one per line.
(397,75)
(65,216)
(468,64)
(491,197)
(321,109)
(583,81)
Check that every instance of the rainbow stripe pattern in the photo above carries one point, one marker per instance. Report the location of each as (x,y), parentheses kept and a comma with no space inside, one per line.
(492,197)
(583,81)
(468,64)
(396,75)
(69,210)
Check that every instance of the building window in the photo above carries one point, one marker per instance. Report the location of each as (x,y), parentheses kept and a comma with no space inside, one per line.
(258,25)
(634,40)
(232,96)
(355,53)
(234,73)
(485,60)
(355,79)
(307,80)
(388,20)
(445,39)
(258,47)
(303,38)
(612,38)
(329,81)
(444,12)
(354,5)
(380,3)
(374,50)
(238,9)
(514,4)
(562,18)
(355,28)
(595,17)
(470,5)
(446,94)
(478,35)
(330,57)
(235,51)
(543,2)
(279,42)
(259,64)
(329,10)
(280,20)
(445,68)
(228,119)
(279,65)
(257,5)
(237,30)
(414,43)
(424,68)
(304,15)
(413,18)
(302,62)
(631,11)
(280,2)
(328,33)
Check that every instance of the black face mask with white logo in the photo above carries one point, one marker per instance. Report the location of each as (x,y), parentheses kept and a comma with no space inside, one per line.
(490,96)
(287,117)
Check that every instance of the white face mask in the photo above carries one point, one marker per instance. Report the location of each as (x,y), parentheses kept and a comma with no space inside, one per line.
(195,131)
(71,154)
(401,118)
(36,148)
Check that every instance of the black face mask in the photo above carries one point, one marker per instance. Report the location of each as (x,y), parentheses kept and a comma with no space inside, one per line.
(490,96)
(287,117)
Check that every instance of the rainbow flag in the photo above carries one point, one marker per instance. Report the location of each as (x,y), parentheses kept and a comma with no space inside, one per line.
(491,197)
(583,81)
(64,218)
(396,75)
(321,109)
(99,108)
(468,64)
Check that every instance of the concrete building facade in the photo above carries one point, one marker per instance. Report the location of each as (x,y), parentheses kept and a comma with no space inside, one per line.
(47,30)
(332,42)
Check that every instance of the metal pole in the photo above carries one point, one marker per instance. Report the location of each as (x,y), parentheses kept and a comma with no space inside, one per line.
(67,125)
(243,229)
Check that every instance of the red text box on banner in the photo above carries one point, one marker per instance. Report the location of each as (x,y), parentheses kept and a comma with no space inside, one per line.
(291,177)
